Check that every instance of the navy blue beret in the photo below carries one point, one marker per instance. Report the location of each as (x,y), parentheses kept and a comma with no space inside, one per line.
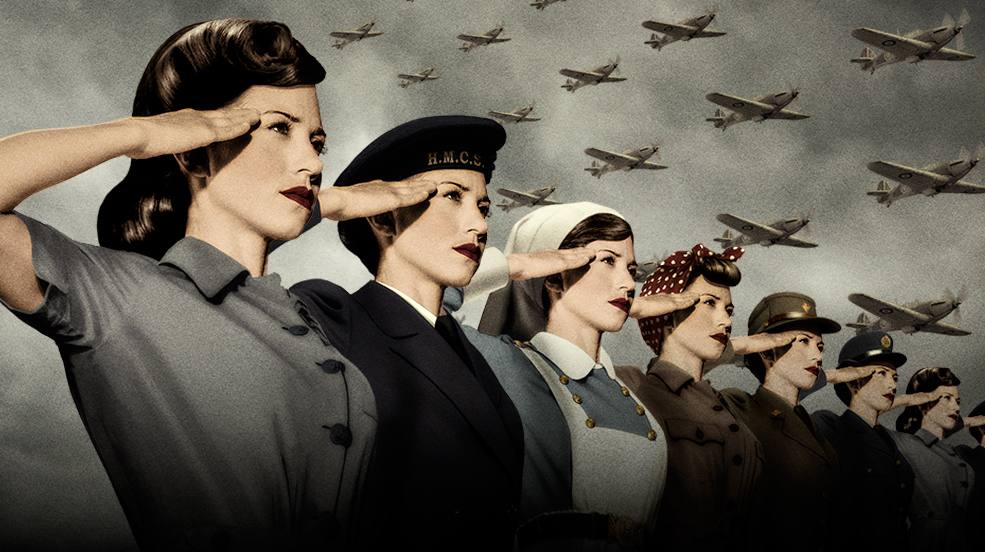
(428,144)
(867,347)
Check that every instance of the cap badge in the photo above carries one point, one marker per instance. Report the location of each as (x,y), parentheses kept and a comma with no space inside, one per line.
(886,342)
(806,306)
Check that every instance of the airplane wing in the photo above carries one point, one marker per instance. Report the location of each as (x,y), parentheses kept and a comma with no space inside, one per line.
(617,160)
(756,231)
(708,34)
(416,78)
(667,28)
(473,38)
(906,175)
(546,201)
(948,54)
(581,75)
(895,314)
(650,165)
(898,45)
(963,187)
(517,196)
(345,34)
(942,328)
(746,107)
(510,117)
(610,78)
(796,242)
(788,114)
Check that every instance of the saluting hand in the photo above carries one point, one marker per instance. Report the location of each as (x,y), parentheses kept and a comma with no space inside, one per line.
(372,198)
(543,263)
(188,129)
(660,304)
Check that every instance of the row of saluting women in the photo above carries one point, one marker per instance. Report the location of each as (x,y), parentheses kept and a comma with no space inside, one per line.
(230,413)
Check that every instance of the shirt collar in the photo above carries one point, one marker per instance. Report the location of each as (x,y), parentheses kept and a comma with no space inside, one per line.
(673,376)
(208,268)
(428,315)
(927,437)
(575,363)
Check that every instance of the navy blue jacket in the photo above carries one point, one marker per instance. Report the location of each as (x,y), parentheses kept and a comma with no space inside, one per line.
(449,449)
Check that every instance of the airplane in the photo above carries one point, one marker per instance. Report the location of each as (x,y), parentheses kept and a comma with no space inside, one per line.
(760,108)
(593,77)
(912,317)
(644,269)
(486,38)
(771,232)
(541,4)
(530,198)
(625,161)
(913,47)
(413,78)
(347,37)
(929,181)
(684,30)
(521,115)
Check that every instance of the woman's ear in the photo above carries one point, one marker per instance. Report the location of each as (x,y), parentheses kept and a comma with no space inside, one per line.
(768,358)
(194,162)
(383,224)
(554,284)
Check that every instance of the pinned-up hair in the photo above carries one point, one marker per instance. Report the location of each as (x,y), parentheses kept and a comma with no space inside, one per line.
(924,381)
(203,66)
(598,227)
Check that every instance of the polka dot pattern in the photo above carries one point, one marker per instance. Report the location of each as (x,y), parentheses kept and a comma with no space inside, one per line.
(670,277)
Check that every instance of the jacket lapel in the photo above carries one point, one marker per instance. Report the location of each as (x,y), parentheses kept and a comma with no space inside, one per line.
(781,412)
(420,345)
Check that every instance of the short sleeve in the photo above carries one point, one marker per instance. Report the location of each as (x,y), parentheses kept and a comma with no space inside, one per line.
(81,281)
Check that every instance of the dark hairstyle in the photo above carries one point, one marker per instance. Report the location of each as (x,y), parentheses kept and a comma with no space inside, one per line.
(203,66)
(598,227)
(844,389)
(924,381)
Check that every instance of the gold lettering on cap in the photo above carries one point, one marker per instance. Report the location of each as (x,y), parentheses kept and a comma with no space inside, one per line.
(449,157)
(476,160)
(433,158)
(463,158)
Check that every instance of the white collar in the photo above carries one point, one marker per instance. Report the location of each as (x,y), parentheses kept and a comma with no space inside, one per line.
(574,362)
(428,315)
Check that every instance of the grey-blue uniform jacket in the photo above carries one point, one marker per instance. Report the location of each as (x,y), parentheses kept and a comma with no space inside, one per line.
(449,457)
(220,413)
(876,483)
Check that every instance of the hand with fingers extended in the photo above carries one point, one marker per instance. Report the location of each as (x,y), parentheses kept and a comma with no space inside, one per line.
(914,399)
(660,304)
(543,263)
(188,129)
(372,198)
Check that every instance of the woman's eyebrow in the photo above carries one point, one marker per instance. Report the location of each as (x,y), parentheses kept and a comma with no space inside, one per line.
(290,117)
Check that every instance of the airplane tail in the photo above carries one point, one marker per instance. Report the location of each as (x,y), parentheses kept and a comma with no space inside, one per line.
(506,205)
(467,47)
(339,44)
(405,83)
(718,119)
(881,193)
(726,239)
(569,85)
(655,42)
(595,170)
(861,324)
(866,60)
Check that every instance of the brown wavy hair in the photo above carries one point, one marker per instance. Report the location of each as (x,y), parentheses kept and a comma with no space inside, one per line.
(925,380)
(203,66)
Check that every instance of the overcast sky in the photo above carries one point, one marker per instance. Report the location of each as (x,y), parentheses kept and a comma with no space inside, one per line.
(80,62)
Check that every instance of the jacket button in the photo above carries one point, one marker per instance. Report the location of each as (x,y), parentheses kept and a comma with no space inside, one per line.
(898,462)
(651,435)
(737,460)
(590,422)
(902,485)
(699,434)
(332,366)
(625,391)
(577,398)
(298,330)
(733,427)
(339,434)
(639,410)
(563,379)
(718,408)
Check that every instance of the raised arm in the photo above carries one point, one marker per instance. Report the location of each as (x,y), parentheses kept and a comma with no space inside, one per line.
(35,160)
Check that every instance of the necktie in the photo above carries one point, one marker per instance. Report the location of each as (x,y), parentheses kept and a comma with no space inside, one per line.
(448,330)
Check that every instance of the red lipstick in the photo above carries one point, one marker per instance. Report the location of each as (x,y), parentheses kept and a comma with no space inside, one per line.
(721,338)
(300,195)
(953,416)
(620,303)
(890,396)
(469,250)
(813,369)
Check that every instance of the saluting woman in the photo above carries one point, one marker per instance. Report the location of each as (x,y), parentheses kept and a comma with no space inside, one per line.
(219,411)
(595,460)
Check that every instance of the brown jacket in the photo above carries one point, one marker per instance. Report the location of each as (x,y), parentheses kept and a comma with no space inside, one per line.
(714,460)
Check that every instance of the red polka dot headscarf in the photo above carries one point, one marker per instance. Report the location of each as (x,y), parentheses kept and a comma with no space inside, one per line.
(671,277)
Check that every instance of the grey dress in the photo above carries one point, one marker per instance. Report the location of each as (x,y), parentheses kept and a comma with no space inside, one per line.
(944,483)
(218,409)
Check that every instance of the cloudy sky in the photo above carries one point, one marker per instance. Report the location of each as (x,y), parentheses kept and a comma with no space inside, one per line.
(79,64)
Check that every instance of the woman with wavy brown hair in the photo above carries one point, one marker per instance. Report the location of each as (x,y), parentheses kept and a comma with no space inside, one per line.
(220,413)
(944,482)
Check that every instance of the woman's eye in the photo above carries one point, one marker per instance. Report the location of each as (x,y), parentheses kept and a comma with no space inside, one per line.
(608,260)
(632,272)
(280,127)
(484,210)
(319,146)
(730,311)
(453,195)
